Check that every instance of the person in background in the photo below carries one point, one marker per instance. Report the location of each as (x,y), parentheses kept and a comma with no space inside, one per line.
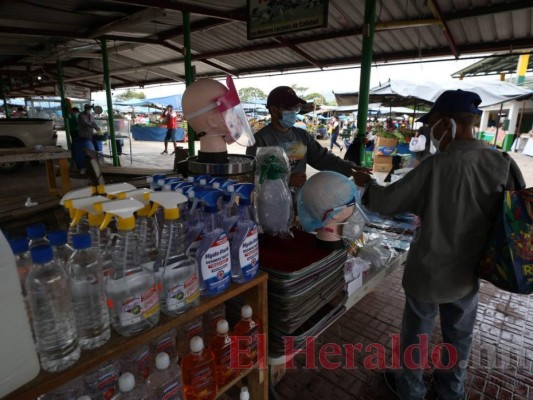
(334,134)
(457,194)
(171,119)
(80,140)
(301,148)
(87,127)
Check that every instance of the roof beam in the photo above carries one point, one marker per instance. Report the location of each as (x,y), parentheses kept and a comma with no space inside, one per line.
(299,51)
(492,9)
(210,63)
(435,9)
(127,21)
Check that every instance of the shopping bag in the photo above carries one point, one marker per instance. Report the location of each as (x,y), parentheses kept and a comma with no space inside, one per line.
(508,260)
(417,143)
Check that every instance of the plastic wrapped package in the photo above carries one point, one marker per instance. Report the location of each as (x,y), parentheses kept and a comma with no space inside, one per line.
(273,199)
(376,252)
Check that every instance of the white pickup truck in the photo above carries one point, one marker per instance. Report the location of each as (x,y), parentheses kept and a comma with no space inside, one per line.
(25,132)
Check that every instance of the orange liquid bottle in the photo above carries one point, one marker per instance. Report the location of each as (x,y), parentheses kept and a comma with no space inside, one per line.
(198,372)
(220,345)
(245,334)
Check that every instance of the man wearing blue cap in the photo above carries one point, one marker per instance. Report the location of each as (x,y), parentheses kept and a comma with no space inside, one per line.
(457,194)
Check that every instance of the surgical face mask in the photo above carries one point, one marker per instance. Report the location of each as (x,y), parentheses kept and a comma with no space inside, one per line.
(436,142)
(353,226)
(288,119)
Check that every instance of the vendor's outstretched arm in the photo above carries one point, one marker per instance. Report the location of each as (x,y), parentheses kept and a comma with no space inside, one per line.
(319,158)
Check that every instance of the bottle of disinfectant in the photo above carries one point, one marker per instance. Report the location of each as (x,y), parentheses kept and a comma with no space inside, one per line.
(83,225)
(213,254)
(198,370)
(247,327)
(165,383)
(176,274)
(220,345)
(244,243)
(196,223)
(131,295)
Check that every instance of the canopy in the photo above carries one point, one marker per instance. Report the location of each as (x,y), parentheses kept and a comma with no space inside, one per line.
(154,102)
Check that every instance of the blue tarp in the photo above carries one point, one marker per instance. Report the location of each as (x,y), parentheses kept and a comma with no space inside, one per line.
(154,133)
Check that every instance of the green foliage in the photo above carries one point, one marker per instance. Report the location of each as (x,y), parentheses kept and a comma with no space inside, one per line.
(130,95)
(300,90)
(250,93)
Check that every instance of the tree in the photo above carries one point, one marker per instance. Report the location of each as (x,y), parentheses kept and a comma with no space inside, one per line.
(316,97)
(300,90)
(130,95)
(251,93)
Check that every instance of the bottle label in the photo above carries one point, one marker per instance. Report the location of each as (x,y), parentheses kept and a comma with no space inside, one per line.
(142,362)
(137,308)
(249,254)
(183,294)
(203,382)
(216,265)
(171,391)
(166,343)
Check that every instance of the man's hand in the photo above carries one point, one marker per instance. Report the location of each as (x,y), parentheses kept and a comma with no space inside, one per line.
(297,179)
(361,176)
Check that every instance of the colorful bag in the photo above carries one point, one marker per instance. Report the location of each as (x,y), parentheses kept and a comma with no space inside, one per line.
(508,261)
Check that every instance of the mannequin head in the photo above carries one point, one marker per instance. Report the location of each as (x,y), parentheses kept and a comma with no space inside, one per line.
(325,201)
(209,126)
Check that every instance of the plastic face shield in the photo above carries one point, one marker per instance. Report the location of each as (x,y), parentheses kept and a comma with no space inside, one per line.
(230,107)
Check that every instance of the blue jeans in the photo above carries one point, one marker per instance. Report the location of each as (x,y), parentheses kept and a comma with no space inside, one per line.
(78,154)
(333,141)
(457,323)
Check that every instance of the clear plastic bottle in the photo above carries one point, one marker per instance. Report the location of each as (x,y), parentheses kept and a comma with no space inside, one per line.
(195,218)
(132,297)
(130,390)
(165,383)
(210,319)
(88,293)
(220,345)
(102,382)
(138,362)
(54,324)
(19,246)
(185,333)
(176,274)
(166,343)
(37,235)
(62,251)
(73,390)
(246,334)
(198,369)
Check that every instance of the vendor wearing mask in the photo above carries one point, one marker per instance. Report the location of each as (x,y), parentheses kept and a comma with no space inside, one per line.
(457,193)
(301,148)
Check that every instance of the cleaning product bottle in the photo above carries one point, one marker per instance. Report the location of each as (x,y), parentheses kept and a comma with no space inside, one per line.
(213,254)
(274,199)
(165,383)
(228,210)
(86,277)
(102,382)
(246,333)
(83,225)
(54,323)
(138,362)
(17,343)
(195,217)
(132,297)
(131,390)
(185,332)
(244,243)
(199,376)
(220,345)
(146,226)
(165,343)
(36,234)
(61,249)
(113,189)
(176,274)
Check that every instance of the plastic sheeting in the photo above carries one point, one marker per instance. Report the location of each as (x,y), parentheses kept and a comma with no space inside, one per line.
(154,134)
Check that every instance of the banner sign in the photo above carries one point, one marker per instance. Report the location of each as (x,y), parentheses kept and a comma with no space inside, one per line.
(272,18)
(75,92)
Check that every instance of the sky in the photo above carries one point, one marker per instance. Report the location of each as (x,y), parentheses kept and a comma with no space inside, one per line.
(327,82)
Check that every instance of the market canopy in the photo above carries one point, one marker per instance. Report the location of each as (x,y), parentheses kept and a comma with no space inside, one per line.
(154,102)
(414,92)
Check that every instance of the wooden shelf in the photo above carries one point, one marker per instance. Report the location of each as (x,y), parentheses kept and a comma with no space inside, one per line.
(255,293)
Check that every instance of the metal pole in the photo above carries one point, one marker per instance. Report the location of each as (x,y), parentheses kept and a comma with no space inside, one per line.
(6,108)
(366,66)
(497,126)
(189,78)
(64,109)
(107,84)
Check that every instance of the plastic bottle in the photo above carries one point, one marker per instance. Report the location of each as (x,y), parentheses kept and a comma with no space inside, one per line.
(244,245)
(88,293)
(228,210)
(244,395)
(54,324)
(62,251)
(195,234)
(185,333)
(138,362)
(19,247)
(146,226)
(37,235)
(165,383)
(246,331)
(17,343)
(83,225)
(166,343)
(132,297)
(176,274)
(102,382)
(210,319)
(112,190)
(73,390)
(130,390)
(220,345)
(199,376)
(213,254)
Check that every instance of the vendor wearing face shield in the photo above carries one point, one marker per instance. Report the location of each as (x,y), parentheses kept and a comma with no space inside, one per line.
(301,148)
(457,193)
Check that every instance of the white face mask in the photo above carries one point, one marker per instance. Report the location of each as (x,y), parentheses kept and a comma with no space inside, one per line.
(436,142)
(354,225)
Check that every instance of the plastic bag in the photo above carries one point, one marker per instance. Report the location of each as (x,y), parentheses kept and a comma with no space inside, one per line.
(273,200)
(417,143)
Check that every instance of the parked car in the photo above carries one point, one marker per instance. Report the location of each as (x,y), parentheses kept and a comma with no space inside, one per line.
(25,132)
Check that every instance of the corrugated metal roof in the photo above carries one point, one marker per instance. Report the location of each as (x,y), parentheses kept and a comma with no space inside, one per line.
(145,38)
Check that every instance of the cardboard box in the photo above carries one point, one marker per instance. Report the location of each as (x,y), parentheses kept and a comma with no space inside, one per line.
(382,167)
(383,159)
(386,142)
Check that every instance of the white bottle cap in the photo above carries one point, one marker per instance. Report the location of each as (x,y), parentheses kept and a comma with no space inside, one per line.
(245,395)
(197,344)
(216,185)
(126,382)
(162,361)
(246,311)
(222,326)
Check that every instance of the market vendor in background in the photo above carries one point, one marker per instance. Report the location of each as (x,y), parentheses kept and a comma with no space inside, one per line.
(301,148)
(88,128)
(171,119)
(457,193)
(79,143)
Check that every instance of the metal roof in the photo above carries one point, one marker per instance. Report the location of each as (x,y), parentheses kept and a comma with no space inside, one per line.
(493,65)
(145,38)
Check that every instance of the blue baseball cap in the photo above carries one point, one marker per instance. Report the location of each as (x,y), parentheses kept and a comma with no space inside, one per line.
(454,101)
